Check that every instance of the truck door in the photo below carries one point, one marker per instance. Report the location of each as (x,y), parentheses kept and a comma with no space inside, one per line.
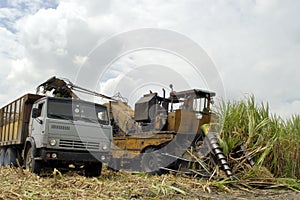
(38,125)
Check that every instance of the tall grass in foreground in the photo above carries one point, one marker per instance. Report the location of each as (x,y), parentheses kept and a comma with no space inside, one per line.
(273,142)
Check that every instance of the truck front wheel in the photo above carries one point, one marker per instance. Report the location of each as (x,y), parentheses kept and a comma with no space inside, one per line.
(31,164)
(93,170)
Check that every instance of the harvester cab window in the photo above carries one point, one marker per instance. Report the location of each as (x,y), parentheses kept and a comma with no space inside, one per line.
(187,103)
(196,104)
(179,105)
(200,105)
(184,103)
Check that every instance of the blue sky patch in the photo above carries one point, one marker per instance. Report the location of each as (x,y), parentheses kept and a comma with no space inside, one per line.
(25,8)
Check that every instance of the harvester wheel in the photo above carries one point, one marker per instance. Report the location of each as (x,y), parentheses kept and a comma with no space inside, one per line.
(31,164)
(151,161)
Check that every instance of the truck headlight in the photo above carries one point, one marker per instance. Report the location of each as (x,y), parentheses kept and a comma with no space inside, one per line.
(52,142)
(105,147)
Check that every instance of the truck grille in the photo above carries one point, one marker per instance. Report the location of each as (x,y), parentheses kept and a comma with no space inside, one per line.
(84,145)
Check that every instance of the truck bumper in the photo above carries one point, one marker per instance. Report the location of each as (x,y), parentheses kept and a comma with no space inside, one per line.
(67,156)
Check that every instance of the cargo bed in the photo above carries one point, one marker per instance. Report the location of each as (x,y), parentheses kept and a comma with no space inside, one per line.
(14,120)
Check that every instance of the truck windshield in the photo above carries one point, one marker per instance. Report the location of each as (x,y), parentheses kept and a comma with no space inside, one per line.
(77,110)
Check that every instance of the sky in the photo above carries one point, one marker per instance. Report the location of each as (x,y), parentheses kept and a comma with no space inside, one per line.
(249,46)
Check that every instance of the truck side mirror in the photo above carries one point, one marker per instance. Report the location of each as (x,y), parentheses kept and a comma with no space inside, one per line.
(34,113)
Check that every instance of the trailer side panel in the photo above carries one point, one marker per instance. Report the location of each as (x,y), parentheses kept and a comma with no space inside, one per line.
(15,119)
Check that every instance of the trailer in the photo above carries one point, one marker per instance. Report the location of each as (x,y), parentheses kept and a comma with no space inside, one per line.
(41,132)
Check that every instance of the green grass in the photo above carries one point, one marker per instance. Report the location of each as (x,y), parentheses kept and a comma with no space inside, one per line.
(273,142)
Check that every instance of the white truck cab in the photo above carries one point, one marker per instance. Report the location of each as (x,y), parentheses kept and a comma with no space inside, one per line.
(64,131)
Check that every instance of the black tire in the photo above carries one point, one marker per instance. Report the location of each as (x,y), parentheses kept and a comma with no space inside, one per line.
(2,156)
(10,157)
(151,162)
(31,164)
(93,170)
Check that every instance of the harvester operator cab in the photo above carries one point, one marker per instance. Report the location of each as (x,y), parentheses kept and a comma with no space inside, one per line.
(192,100)
(190,109)
(153,112)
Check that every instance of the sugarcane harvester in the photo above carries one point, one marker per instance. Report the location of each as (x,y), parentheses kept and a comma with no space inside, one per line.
(165,134)
(161,133)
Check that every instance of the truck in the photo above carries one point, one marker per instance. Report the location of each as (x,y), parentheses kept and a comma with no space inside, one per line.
(40,132)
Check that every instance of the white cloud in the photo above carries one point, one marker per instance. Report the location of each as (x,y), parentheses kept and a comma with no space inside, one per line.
(254,44)
(9,14)
(80,60)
